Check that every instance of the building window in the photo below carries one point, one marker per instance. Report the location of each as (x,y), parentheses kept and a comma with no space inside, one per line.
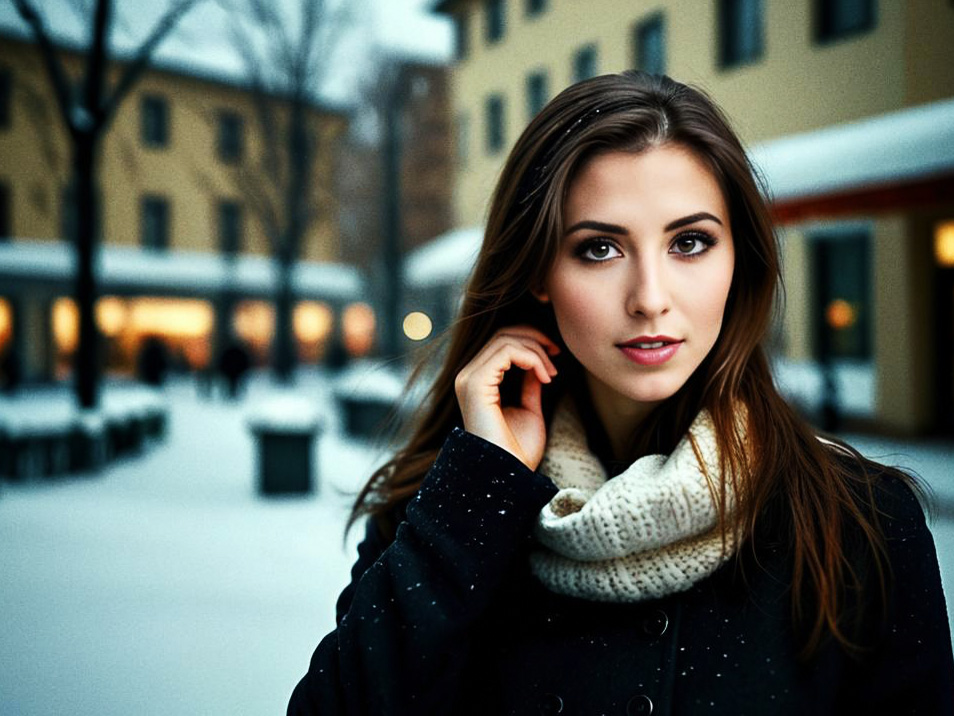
(495,123)
(649,39)
(462,34)
(841,315)
(538,92)
(494,17)
(5,220)
(584,63)
(230,227)
(6,90)
(154,121)
(740,32)
(68,218)
(535,7)
(835,19)
(154,224)
(230,137)
(463,139)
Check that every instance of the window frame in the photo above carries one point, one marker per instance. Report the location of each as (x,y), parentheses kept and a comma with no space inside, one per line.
(462,35)
(230,244)
(824,31)
(146,202)
(640,29)
(541,76)
(224,151)
(6,97)
(495,120)
(6,211)
(731,35)
(534,8)
(154,121)
(495,21)
(588,53)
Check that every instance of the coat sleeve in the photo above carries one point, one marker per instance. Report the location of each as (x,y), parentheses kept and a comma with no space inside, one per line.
(911,670)
(405,620)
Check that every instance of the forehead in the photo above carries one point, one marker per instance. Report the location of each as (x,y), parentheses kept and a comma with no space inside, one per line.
(662,183)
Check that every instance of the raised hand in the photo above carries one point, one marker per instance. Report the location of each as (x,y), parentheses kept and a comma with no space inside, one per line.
(520,430)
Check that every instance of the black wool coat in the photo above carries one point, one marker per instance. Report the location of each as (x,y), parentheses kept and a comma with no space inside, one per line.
(447,619)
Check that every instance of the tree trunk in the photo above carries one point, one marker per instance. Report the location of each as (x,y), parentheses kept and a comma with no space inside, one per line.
(285,348)
(86,366)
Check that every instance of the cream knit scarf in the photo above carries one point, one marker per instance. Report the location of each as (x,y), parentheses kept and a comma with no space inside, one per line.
(646,533)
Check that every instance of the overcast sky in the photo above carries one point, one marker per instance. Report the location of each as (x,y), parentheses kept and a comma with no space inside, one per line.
(202,40)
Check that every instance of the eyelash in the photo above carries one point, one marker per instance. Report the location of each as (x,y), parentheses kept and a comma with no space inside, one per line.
(706,239)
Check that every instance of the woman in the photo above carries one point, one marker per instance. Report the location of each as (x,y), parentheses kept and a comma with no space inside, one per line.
(735,562)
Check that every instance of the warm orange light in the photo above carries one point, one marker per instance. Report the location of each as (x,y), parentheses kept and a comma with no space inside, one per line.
(312,321)
(840,314)
(944,244)
(65,324)
(111,315)
(180,318)
(255,322)
(6,321)
(357,325)
(417,326)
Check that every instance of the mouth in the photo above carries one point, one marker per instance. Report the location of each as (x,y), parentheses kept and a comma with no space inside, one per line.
(650,350)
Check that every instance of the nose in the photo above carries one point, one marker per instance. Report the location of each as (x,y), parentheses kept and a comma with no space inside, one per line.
(648,290)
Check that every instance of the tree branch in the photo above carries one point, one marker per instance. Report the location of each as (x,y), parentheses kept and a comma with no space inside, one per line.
(62,89)
(144,55)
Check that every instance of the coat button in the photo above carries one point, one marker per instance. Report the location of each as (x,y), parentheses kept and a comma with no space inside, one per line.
(551,704)
(640,705)
(655,624)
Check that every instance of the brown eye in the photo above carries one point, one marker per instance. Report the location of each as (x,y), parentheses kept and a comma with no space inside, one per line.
(597,250)
(691,244)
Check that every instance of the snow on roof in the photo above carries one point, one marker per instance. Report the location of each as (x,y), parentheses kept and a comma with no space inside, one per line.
(125,268)
(448,258)
(903,145)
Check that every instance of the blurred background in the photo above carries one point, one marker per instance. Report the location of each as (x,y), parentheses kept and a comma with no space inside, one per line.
(228,228)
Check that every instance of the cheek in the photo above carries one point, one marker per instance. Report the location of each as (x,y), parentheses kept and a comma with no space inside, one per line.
(709,300)
(576,310)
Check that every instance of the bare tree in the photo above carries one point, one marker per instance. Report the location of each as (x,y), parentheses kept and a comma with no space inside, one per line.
(87,107)
(287,58)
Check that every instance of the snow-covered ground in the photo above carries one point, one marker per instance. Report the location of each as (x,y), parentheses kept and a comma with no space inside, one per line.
(166,585)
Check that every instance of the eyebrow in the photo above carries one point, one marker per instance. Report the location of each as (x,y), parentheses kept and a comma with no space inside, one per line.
(615,229)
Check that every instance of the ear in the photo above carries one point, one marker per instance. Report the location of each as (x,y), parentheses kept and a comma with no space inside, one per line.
(541,295)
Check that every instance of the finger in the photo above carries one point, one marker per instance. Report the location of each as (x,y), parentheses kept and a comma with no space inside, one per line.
(533,333)
(531,344)
(531,394)
(515,354)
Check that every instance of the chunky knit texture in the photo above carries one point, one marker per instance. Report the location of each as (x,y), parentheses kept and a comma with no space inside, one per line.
(648,532)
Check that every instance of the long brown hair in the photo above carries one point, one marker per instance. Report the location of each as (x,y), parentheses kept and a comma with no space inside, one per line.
(775,458)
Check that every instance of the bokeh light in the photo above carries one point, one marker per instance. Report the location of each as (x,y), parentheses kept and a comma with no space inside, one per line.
(417,326)
(840,314)
(358,324)
(944,244)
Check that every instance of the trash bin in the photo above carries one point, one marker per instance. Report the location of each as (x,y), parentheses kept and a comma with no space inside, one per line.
(368,396)
(285,429)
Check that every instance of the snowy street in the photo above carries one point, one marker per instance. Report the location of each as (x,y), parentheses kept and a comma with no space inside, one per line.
(166,585)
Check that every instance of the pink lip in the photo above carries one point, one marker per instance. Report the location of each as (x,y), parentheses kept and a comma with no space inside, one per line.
(650,356)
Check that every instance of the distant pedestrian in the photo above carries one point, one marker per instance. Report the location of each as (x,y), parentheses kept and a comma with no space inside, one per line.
(604,505)
(153,361)
(10,373)
(234,363)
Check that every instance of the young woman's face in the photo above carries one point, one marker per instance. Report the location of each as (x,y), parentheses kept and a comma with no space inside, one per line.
(641,279)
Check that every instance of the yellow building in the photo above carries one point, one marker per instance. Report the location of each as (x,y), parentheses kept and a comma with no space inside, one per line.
(179,222)
(867,257)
